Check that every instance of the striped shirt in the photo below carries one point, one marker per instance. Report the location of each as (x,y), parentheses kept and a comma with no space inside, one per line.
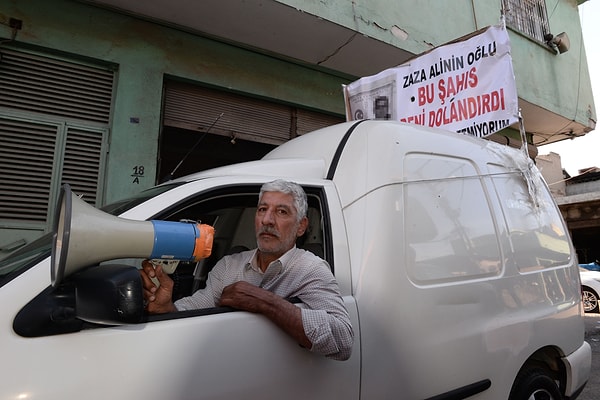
(297,273)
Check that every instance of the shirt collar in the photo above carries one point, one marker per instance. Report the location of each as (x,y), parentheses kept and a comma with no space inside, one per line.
(282,261)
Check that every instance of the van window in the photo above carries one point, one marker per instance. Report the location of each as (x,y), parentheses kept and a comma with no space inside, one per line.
(449,227)
(538,235)
(231,210)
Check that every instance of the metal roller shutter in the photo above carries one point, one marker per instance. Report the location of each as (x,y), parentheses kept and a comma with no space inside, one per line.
(309,121)
(196,108)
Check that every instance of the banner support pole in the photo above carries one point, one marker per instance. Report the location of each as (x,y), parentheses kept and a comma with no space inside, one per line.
(527,168)
(523,134)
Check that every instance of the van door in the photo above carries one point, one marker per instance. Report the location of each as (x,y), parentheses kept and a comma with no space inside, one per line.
(205,354)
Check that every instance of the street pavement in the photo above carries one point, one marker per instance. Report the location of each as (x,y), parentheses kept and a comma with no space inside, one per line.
(592,336)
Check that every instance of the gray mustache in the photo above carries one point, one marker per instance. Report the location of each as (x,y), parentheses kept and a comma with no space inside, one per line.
(269,230)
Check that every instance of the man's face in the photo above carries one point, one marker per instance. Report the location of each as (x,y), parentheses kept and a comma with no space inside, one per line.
(276,223)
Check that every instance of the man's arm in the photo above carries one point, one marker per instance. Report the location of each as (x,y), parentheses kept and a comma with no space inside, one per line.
(325,317)
(247,297)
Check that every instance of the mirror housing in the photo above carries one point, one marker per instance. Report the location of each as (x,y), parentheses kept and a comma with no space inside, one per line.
(109,295)
(105,295)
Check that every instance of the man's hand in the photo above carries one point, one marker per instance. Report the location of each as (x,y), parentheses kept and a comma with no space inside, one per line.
(245,296)
(158,299)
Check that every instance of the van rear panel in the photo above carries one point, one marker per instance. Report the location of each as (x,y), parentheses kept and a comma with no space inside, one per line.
(462,266)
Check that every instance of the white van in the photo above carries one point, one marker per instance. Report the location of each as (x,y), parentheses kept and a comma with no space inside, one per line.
(452,258)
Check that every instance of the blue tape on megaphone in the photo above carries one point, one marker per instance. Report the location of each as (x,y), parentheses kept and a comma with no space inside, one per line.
(174,240)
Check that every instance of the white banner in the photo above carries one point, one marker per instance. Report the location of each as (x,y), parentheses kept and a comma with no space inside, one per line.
(467,86)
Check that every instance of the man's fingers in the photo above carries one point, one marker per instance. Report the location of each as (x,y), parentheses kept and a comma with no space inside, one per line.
(146,282)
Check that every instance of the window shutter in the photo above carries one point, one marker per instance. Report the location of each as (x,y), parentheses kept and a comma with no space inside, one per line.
(82,158)
(49,86)
(54,117)
(26,163)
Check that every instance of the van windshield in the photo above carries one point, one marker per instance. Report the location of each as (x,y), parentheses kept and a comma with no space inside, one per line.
(29,255)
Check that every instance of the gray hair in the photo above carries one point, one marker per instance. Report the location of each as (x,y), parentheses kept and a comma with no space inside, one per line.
(291,188)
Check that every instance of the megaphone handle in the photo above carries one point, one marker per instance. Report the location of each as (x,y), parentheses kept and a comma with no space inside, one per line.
(168,267)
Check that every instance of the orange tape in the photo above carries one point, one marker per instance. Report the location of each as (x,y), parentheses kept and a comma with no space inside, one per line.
(204,242)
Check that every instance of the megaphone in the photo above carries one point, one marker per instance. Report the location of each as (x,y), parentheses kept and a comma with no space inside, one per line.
(84,236)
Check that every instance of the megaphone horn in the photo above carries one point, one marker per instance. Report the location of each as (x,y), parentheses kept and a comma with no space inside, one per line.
(84,235)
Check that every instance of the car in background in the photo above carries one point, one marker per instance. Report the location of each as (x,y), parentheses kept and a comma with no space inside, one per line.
(593,266)
(590,289)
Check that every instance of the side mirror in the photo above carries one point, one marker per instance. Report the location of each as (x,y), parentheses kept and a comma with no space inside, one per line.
(106,295)
(109,295)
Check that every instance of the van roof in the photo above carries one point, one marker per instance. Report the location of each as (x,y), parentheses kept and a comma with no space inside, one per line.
(361,155)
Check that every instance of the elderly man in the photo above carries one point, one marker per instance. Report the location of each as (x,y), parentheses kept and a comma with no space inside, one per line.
(260,280)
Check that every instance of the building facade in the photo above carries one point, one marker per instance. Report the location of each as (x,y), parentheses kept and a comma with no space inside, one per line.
(580,208)
(114,96)
(578,198)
